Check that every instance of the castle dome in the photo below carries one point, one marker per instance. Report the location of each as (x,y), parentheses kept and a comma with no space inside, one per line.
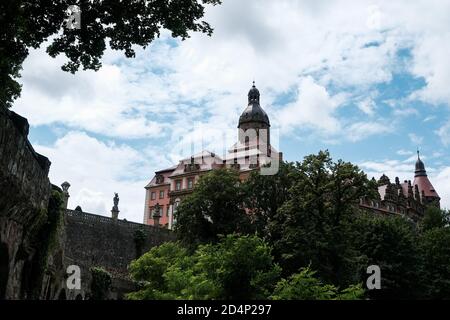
(420,167)
(254,113)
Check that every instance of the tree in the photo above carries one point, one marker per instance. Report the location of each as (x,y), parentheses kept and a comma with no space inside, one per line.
(390,243)
(27,24)
(323,199)
(214,208)
(265,194)
(150,268)
(237,267)
(434,248)
(242,265)
(434,218)
(305,286)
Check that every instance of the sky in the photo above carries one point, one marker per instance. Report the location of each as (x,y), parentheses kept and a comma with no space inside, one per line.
(367,80)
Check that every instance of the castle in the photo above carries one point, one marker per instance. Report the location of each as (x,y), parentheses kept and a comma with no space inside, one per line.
(253,150)
(408,198)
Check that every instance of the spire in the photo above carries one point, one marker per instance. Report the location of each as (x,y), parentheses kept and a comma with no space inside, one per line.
(420,166)
(426,189)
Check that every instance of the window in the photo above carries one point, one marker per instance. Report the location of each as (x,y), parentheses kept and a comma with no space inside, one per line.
(167,210)
(153,195)
(190,183)
(178,185)
(161,194)
(159,179)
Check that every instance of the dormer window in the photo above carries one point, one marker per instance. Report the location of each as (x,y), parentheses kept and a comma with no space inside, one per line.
(159,179)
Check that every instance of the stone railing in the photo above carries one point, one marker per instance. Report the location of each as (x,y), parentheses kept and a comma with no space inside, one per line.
(97,219)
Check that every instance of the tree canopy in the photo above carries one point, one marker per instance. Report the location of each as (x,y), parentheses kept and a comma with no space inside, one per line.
(122,24)
(299,234)
(237,267)
(214,208)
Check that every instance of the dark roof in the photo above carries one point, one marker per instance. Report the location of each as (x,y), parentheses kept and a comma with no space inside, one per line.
(167,169)
(254,112)
(420,167)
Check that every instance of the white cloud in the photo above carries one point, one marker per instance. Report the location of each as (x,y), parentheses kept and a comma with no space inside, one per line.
(274,43)
(441,183)
(391,168)
(403,152)
(96,170)
(431,62)
(415,139)
(361,130)
(444,133)
(313,107)
(367,106)
(332,52)
(99,102)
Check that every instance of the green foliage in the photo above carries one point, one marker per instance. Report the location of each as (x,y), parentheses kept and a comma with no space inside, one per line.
(242,266)
(435,218)
(313,222)
(238,267)
(124,24)
(305,286)
(46,231)
(140,236)
(149,269)
(309,214)
(100,283)
(214,208)
(390,243)
(265,195)
(434,248)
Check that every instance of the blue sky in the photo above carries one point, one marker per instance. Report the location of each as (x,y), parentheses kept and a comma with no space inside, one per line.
(367,80)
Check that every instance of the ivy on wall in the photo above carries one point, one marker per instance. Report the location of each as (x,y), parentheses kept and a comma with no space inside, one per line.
(140,236)
(100,283)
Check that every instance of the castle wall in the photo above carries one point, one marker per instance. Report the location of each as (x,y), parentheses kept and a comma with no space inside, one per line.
(25,190)
(98,241)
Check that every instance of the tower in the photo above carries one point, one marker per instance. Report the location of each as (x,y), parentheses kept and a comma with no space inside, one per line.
(254,126)
(423,184)
(255,119)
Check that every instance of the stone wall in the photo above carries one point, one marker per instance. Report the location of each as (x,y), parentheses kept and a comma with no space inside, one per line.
(98,241)
(24,194)
(38,239)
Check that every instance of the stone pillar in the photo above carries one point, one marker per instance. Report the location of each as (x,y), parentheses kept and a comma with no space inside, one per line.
(65,186)
(115,213)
